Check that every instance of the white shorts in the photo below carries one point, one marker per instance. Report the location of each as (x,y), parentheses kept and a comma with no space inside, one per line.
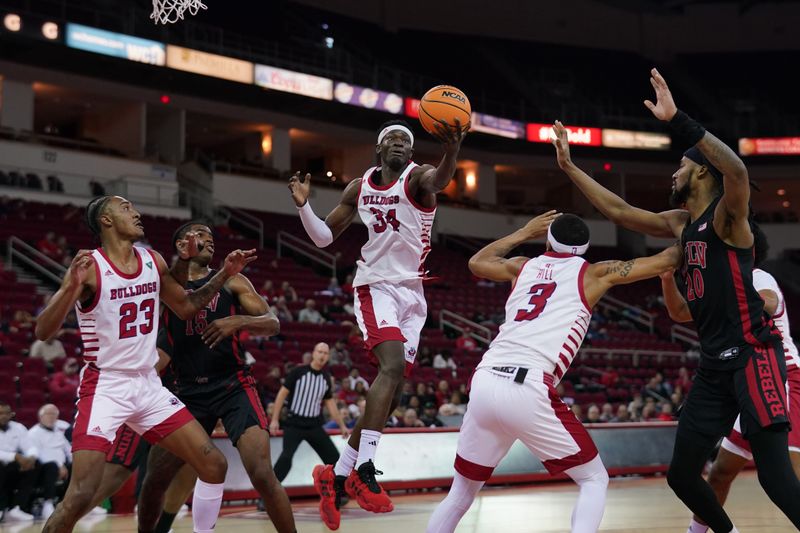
(737,444)
(500,411)
(392,312)
(107,399)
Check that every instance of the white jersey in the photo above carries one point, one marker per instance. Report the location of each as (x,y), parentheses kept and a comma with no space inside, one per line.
(399,231)
(119,327)
(763,280)
(547,316)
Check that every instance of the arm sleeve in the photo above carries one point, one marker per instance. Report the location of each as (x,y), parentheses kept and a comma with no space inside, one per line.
(329,390)
(316,228)
(292,378)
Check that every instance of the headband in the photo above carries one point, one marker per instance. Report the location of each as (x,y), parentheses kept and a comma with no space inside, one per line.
(697,156)
(395,127)
(565,248)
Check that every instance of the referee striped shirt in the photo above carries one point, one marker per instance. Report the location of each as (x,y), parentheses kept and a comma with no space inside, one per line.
(307,390)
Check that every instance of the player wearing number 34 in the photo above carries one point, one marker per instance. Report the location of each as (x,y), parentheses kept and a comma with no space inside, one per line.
(547,315)
(396,200)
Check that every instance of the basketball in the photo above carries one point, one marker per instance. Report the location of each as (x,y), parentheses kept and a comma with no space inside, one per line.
(446,103)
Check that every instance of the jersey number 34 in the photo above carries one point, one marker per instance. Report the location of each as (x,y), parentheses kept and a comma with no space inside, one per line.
(540,293)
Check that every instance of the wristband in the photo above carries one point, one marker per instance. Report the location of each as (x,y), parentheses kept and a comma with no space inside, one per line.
(686,129)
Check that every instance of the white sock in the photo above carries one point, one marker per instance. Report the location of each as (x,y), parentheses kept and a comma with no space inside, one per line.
(697,527)
(734,530)
(592,479)
(346,462)
(458,501)
(368,446)
(205,505)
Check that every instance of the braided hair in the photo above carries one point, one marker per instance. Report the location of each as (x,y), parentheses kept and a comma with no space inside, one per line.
(93,212)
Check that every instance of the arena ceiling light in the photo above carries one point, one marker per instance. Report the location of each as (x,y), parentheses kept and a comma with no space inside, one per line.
(50,30)
(12,22)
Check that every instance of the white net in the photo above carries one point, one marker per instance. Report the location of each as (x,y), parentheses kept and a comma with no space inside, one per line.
(171,11)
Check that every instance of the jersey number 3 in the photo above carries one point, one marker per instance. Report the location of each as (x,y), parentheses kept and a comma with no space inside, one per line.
(539,296)
(385,220)
(127,316)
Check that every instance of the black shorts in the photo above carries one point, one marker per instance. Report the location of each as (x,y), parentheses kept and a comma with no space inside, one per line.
(757,391)
(234,399)
(129,449)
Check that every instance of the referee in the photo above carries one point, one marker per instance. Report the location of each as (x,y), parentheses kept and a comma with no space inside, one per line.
(306,387)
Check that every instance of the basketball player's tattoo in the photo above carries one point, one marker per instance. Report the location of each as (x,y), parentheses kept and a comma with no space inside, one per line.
(180,271)
(721,156)
(622,267)
(200,297)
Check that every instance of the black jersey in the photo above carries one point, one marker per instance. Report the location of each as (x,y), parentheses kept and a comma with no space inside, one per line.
(192,360)
(718,287)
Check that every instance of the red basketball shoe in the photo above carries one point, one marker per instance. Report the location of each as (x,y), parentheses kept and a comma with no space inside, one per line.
(330,488)
(362,486)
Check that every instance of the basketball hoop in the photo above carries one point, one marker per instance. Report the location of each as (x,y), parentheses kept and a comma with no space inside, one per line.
(171,11)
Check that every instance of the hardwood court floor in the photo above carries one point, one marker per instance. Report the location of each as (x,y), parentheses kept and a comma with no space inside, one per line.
(634,506)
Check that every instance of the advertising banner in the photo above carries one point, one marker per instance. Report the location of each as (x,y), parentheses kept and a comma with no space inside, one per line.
(369,98)
(543,133)
(770,146)
(294,82)
(207,64)
(115,44)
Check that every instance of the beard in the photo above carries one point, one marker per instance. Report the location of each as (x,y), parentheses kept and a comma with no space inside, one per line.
(678,197)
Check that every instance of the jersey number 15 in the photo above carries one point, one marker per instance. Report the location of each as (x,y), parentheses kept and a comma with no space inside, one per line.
(539,296)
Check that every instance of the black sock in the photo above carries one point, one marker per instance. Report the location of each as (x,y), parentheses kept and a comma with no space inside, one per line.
(165,522)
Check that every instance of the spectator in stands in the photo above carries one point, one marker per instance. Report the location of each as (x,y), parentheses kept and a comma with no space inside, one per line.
(356,378)
(442,392)
(455,406)
(577,410)
(48,350)
(65,248)
(309,313)
(566,398)
(424,356)
(346,393)
(281,310)
(355,339)
(664,385)
(347,286)
(648,411)
(444,360)
(333,287)
(22,321)
(635,406)
(414,403)
(430,416)
(53,452)
(609,378)
(64,384)
(676,398)
(406,394)
(288,292)
(423,394)
(360,389)
(654,390)
(16,467)
(666,412)
(411,420)
(684,380)
(622,414)
(466,342)
(268,291)
(344,412)
(48,246)
(593,415)
(607,412)
(271,384)
(340,355)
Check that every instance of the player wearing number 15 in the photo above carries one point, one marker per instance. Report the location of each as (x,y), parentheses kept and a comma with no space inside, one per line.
(396,200)
(115,290)
(547,315)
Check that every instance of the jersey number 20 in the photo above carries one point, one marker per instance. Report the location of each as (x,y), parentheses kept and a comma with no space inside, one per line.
(127,316)
(539,295)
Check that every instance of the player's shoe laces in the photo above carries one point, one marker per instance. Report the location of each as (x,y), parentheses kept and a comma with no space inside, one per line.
(330,488)
(362,486)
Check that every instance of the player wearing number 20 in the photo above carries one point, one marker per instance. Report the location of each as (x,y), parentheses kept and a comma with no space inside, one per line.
(513,393)
(396,200)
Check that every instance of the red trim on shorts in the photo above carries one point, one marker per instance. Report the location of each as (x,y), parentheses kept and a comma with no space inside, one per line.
(119,272)
(471,470)
(375,335)
(587,450)
(235,340)
(776,376)
(793,379)
(581,289)
(739,440)
(99,283)
(414,202)
(741,298)
(248,384)
(86,392)
(754,392)
(166,428)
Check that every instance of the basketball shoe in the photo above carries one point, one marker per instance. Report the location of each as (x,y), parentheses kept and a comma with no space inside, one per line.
(362,486)
(330,488)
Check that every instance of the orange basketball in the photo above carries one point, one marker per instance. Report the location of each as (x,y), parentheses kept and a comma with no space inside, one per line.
(444,102)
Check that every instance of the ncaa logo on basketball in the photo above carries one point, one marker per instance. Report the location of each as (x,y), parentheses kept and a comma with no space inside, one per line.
(454,96)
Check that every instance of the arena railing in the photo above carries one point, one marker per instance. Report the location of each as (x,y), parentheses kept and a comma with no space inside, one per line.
(287,241)
(24,253)
(459,323)
(684,334)
(634,313)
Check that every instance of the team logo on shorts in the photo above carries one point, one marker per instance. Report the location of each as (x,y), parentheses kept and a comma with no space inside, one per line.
(412,352)
(174,401)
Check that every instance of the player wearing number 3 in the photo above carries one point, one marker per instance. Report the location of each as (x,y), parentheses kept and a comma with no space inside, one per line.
(116,289)
(513,395)
(396,200)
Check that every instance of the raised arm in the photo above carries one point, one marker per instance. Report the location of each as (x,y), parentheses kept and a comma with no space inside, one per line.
(666,224)
(432,179)
(324,233)
(187,304)
(255,318)
(188,247)
(491,263)
(78,284)
(602,276)
(676,305)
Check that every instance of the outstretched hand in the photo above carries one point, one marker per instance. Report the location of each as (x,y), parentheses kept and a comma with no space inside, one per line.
(301,189)
(664,108)
(449,135)
(561,142)
(237,260)
(189,246)
(537,226)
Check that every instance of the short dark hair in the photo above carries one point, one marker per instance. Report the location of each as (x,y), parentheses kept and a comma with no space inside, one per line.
(395,122)
(4,403)
(570,230)
(760,245)
(94,209)
(183,229)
